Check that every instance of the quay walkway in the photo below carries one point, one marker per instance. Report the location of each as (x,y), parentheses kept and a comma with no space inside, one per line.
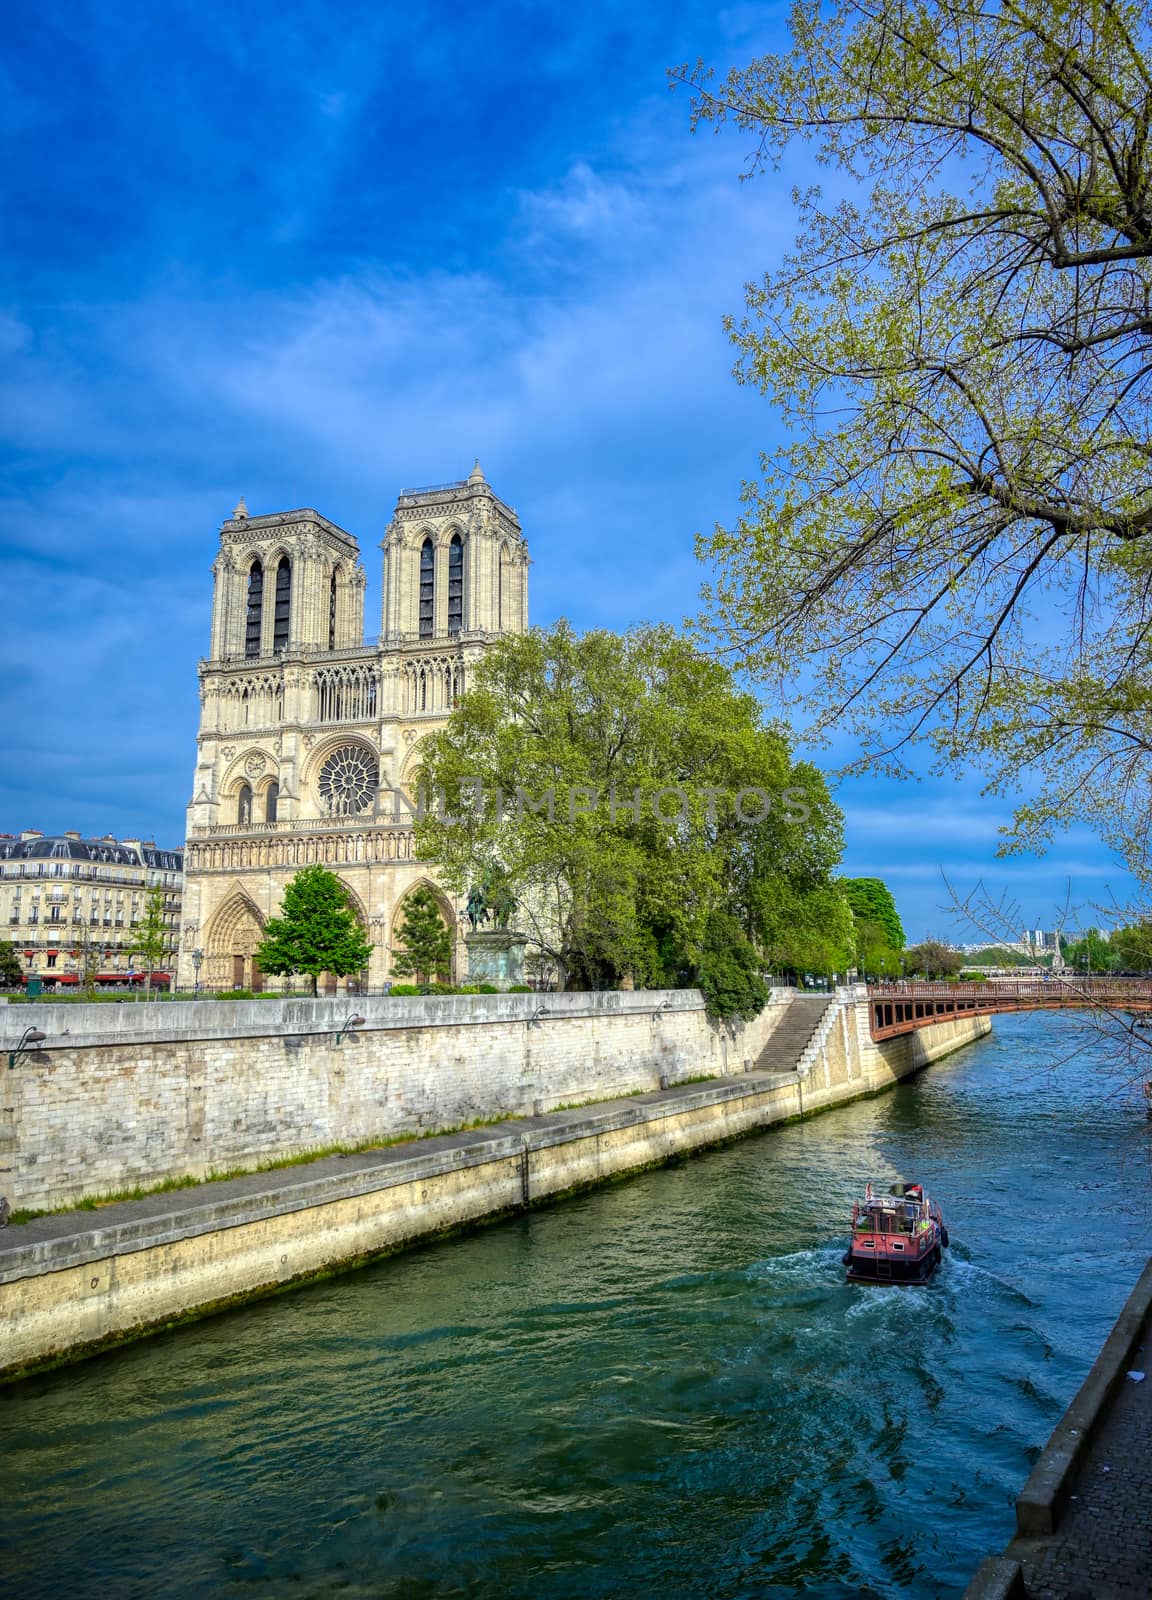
(1084,1518)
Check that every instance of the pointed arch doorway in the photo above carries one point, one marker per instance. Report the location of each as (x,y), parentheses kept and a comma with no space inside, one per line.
(233,938)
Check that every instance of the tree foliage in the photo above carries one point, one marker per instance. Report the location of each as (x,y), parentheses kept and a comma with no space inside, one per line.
(317,930)
(425,951)
(956,542)
(618,761)
(1132,948)
(152,940)
(932,959)
(1001,956)
(728,971)
(1091,953)
(11,972)
(878,931)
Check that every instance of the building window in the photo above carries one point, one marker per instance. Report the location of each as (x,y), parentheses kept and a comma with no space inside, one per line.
(283,604)
(504,589)
(427,588)
(244,805)
(271,799)
(332,612)
(255,609)
(349,780)
(52,958)
(455,585)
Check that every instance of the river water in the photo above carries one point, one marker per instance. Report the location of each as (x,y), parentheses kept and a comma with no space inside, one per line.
(662,1388)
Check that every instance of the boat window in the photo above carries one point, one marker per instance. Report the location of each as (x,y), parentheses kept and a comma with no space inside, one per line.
(897,1244)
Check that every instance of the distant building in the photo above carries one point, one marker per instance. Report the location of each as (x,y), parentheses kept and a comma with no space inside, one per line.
(65,899)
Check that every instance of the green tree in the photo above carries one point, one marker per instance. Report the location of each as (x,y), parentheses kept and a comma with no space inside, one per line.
(932,959)
(317,930)
(955,540)
(11,972)
(1132,948)
(603,771)
(728,972)
(1091,954)
(152,940)
(879,933)
(426,941)
(999,956)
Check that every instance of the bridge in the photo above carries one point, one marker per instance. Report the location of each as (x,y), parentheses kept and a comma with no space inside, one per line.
(896,1008)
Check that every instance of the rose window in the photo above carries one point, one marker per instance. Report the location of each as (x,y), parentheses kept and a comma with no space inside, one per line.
(348,781)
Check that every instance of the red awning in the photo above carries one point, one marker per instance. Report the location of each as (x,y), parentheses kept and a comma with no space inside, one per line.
(29,954)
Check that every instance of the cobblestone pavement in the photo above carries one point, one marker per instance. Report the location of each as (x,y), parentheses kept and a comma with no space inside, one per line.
(1102,1547)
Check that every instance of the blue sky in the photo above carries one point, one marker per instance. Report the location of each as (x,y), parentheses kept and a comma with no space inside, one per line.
(312,254)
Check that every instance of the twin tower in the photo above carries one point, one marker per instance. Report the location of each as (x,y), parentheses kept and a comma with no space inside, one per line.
(305,730)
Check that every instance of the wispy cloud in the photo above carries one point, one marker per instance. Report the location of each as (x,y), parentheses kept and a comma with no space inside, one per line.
(253,251)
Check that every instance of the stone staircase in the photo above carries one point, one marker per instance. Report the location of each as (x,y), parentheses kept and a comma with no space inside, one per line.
(795,1041)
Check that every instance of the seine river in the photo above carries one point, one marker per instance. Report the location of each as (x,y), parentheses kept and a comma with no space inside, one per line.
(664,1388)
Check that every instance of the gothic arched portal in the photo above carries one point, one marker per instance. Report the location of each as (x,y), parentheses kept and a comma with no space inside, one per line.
(231,942)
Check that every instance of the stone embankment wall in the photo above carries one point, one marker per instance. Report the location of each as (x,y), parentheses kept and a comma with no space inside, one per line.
(69,1284)
(124,1096)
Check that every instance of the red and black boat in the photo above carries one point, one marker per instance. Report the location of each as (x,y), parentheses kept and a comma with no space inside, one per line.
(896,1237)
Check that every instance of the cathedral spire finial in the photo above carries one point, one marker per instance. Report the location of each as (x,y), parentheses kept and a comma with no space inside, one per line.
(477,475)
(241,510)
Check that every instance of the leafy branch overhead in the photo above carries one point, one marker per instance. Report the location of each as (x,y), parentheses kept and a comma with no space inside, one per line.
(955,542)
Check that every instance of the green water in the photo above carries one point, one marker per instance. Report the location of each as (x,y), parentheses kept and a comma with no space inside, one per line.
(662,1388)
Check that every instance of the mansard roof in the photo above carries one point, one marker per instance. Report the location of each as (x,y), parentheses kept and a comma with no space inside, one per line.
(119,853)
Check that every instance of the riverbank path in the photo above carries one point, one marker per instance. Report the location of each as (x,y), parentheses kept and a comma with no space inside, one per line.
(1086,1511)
(1102,1546)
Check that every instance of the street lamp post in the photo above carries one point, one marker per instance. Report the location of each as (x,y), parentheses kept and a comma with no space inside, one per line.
(32,1036)
(197,963)
(347,1026)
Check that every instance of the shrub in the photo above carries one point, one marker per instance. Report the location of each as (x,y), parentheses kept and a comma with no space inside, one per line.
(519,988)
(728,972)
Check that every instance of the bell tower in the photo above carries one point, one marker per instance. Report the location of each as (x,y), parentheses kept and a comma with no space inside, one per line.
(455,564)
(307,733)
(291,581)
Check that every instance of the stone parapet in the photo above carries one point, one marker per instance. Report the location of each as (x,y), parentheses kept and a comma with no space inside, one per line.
(73,1283)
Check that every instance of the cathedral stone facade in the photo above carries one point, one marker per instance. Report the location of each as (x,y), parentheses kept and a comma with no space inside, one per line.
(307,734)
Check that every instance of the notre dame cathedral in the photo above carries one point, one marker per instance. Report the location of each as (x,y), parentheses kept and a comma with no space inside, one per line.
(306,732)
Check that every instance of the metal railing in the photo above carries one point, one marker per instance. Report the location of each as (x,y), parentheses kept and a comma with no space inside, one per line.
(433,488)
(896,1008)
